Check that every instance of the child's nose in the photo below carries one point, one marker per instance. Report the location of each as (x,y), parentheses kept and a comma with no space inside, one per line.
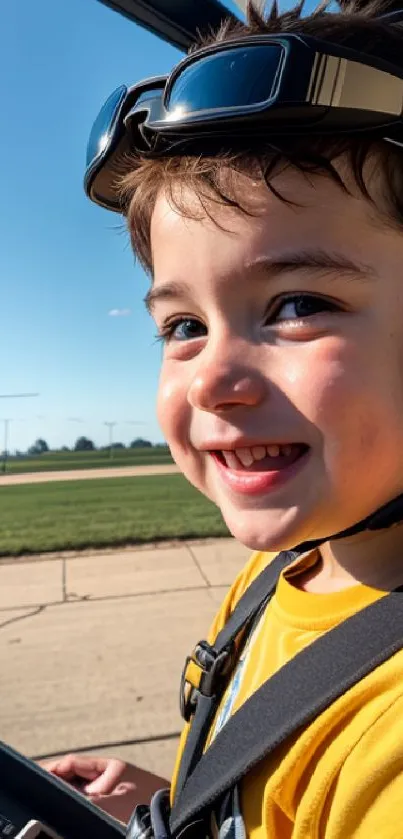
(219,386)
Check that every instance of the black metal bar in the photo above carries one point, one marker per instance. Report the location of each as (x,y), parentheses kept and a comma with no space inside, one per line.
(177,21)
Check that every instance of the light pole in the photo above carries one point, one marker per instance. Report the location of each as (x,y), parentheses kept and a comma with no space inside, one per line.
(111,426)
(7,421)
(5,451)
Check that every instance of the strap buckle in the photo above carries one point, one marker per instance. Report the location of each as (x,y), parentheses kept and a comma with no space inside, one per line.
(202,674)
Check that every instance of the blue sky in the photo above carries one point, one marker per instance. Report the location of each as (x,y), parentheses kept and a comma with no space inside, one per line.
(64,263)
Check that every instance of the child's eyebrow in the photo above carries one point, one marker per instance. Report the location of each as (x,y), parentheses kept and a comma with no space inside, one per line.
(315,259)
(312,260)
(168,291)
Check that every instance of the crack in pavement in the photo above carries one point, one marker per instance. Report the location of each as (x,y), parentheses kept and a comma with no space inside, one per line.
(64,580)
(154,738)
(198,566)
(88,598)
(19,618)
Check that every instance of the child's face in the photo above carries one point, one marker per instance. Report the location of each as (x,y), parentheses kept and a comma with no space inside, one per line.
(243,368)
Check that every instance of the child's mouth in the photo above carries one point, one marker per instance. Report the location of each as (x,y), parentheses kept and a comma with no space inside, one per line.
(259,468)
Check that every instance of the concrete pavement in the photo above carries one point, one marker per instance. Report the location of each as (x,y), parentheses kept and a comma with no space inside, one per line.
(93,646)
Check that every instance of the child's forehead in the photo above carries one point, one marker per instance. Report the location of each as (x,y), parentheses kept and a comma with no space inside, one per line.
(322,240)
(290,192)
(299,212)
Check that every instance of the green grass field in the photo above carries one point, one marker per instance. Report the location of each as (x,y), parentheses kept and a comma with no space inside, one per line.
(56,461)
(103,513)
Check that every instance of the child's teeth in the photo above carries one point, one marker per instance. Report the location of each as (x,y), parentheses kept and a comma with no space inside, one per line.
(259,452)
(231,460)
(245,456)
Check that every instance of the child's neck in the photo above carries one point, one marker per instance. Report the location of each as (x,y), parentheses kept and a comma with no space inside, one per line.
(372,558)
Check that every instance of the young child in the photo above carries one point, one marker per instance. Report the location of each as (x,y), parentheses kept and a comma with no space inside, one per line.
(275,262)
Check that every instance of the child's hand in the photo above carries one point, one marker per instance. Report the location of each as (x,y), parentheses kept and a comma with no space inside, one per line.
(90,775)
(113,785)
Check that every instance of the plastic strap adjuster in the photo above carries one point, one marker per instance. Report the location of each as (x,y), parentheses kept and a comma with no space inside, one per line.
(202,674)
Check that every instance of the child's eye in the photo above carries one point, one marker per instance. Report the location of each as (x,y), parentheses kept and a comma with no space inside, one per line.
(301,307)
(182,329)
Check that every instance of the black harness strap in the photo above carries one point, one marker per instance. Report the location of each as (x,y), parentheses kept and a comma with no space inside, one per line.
(254,598)
(289,700)
(260,590)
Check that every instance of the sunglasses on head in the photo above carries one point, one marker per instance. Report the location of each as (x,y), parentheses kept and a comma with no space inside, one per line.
(261,86)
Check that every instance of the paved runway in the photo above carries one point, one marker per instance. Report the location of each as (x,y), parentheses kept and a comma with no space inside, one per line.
(87,474)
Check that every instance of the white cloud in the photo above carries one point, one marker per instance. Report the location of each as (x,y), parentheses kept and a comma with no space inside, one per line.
(119,313)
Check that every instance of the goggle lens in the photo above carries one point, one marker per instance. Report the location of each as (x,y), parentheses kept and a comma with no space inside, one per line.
(233,78)
(103,126)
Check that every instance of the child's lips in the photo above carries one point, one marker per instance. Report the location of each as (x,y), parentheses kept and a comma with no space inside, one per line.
(261,476)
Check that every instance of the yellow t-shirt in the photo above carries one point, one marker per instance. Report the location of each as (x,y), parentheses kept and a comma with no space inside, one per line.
(342,777)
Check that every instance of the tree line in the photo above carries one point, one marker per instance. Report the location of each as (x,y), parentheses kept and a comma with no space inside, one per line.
(84,444)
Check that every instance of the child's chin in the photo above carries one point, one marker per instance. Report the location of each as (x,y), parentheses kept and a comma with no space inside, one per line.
(259,535)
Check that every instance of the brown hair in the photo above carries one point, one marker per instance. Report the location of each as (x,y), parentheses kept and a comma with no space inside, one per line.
(208,176)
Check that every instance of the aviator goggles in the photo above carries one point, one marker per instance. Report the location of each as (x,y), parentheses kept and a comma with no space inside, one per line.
(262,86)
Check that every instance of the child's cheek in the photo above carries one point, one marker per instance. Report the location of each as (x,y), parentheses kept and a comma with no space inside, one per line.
(319,379)
(331,384)
(173,411)
(344,398)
